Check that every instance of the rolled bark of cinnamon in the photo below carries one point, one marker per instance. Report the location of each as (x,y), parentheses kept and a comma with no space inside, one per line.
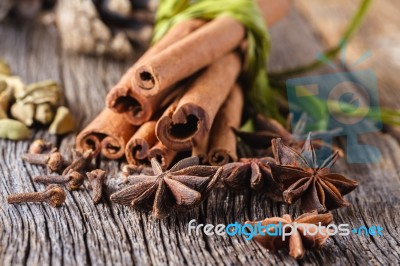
(124,98)
(200,149)
(222,139)
(191,118)
(138,147)
(163,155)
(108,133)
(180,60)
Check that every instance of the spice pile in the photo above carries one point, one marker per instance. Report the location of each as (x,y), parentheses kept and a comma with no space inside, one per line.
(181,96)
(39,103)
(184,98)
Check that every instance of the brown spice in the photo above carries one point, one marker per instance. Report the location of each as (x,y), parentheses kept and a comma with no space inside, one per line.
(53,195)
(189,55)
(138,146)
(191,118)
(222,138)
(200,149)
(162,154)
(182,187)
(108,133)
(298,242)
(300,177)
(125,98)
(73,180)
(97,178)
(81,163)
(248,173)
(53,160)
(268,129)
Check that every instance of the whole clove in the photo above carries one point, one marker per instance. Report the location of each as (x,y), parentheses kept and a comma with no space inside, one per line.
(81,163)
(97,179)
(73,180)
(53,160)
(53,195)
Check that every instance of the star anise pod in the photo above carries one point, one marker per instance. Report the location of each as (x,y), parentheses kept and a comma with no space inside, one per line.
(268,129)
(182,187)
(301,177)
(247,173)
(299,241)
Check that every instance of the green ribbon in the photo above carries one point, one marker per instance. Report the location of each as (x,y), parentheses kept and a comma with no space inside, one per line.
(172,12)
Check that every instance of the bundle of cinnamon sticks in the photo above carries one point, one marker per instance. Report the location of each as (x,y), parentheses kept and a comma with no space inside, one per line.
(182,95)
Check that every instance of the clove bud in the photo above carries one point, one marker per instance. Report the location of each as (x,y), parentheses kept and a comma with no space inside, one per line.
(53,160)
(73,180)
(53,195)
(97,178)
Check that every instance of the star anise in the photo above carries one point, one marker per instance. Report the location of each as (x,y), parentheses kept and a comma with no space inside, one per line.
(299,241)
(301,177)
(251,173)
(268,129)
(182,187)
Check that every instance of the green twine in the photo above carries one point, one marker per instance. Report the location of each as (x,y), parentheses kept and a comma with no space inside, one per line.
(172,12)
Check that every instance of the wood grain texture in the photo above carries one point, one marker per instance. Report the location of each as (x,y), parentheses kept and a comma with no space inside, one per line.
(80,233)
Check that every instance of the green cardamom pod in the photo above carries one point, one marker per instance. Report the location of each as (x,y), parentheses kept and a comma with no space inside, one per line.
(47,91)
(13,129)
(8,84)
(63,122)
(4,68)
(44,113)
(23,112)
(2,113)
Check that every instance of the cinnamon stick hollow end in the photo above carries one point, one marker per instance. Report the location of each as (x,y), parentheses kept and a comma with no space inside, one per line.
(176,130)
(138,147)
(108,133)
(162,154)
(189,119)
(136,108)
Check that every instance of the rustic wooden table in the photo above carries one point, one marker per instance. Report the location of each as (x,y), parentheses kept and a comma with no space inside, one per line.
(81,233)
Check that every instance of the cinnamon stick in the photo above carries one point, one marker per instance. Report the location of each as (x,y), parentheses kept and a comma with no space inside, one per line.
(163,155)
(200,149)
(138,147)
(222,139)
(108,133)
(191,118)
(124,98)
(187,56)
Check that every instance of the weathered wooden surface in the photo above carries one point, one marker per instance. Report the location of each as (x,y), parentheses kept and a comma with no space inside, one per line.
(81,233)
